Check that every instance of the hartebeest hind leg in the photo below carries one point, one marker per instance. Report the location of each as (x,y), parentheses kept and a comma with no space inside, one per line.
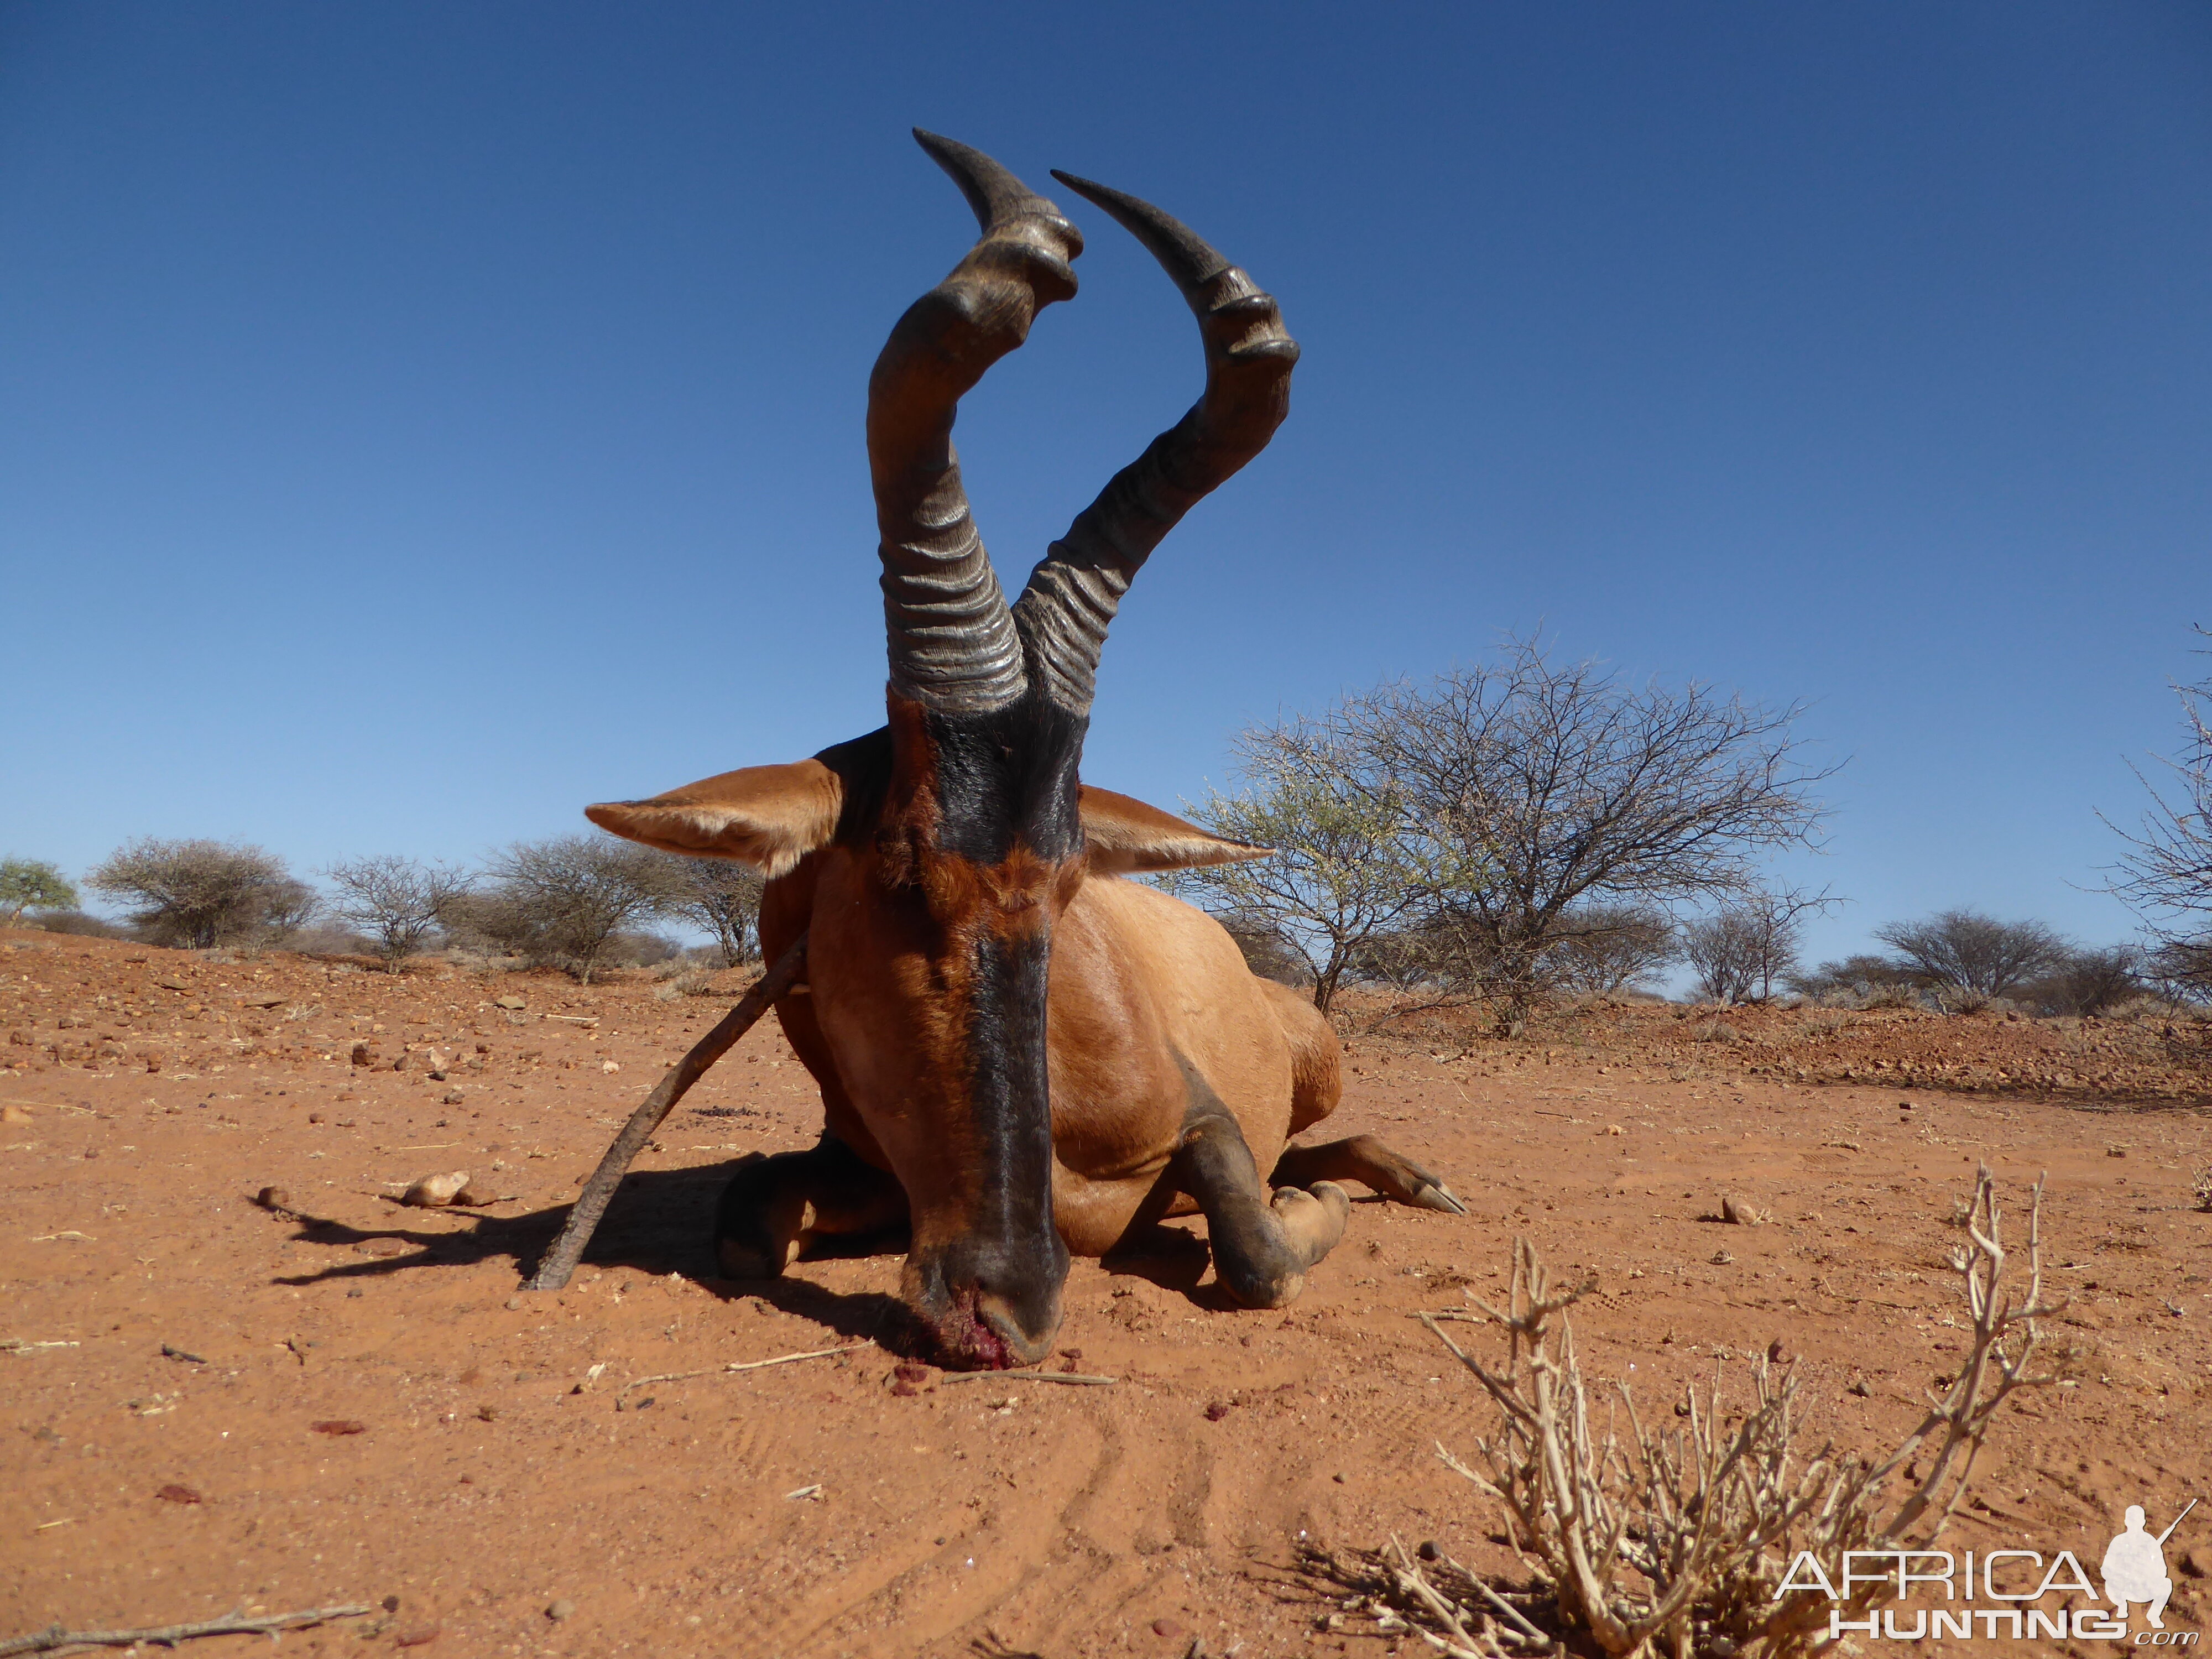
(1262,1245)
(775,1207)
(1363,1158)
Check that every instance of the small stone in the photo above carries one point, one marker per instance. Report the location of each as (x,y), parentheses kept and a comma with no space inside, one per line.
(452,1098)
(363,1054)
(1340,1478)
(1217,1410)
(1858,1386)
(386,1246)
(511,1002)
(1722,1258)
(514,1305)
(273,1198)
(486,1413)
(421,1637)
(1778,1354)
(338,1426)
(610,1065)
(317,1117)
(435,1192)
(1738,1214)
(13,1115)
(1168,1628)
(176,1494)
(562,1609)
(1428,1550)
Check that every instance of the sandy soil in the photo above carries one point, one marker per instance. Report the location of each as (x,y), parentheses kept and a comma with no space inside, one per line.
(819,1509)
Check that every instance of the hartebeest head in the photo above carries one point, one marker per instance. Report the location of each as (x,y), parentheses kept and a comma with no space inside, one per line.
(929,862)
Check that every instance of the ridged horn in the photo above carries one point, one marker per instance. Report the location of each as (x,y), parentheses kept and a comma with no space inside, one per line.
(1074,593)
(952,645)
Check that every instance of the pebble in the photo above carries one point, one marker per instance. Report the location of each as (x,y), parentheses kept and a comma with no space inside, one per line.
(562,1609)
(512,1002)
(273,1198)
(435,1192)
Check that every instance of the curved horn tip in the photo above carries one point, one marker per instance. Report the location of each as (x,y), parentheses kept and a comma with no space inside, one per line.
(995,194)
(1185,255)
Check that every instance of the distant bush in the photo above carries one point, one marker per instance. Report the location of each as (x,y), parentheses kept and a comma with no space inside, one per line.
(400,902)
(1966,951)
(77,923)
(1863,981)
(27,883)
(720,896)
(201,894)
(567,902)
(2088,982)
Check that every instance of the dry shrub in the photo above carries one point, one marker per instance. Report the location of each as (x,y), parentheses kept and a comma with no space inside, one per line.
(686,982)
(1674,1539)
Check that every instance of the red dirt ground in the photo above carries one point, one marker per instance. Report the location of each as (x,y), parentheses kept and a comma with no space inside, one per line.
(982,1516)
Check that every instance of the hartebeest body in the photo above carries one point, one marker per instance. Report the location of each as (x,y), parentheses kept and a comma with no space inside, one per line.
(1021,1054)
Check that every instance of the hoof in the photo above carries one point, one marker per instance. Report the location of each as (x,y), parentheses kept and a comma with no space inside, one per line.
(1435,1195)
(1337,1199)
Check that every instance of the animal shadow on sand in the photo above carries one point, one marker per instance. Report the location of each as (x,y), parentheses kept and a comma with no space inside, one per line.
(660,1221)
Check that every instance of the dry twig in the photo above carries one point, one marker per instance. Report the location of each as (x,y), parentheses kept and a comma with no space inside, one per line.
(232,1624)
(1658,1541)
(591,1204)
(736,1365)
(1078,1379)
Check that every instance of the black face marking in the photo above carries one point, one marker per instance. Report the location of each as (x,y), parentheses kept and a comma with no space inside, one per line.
(1008,780)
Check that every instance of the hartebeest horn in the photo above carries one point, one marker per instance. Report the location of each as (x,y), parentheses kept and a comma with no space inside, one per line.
(1072,596)
(953,646)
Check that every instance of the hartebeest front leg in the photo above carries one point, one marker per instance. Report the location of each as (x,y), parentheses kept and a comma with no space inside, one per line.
(1365,1159)
(1262,1245)
(776,1206)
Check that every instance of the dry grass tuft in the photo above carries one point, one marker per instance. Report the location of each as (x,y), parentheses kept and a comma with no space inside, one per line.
(1673,1541)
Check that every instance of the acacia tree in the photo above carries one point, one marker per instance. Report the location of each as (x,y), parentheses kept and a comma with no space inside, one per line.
(399,901)
(1346,873)
(28,882)
(201,894)
(721,896)
(2166,875)
(563,901)
(1539,786)
(1967,951)
(1742,948)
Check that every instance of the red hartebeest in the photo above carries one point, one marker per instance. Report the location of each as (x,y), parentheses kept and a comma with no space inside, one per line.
(1021,1056)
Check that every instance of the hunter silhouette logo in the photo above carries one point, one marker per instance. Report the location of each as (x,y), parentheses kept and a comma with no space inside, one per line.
(2134,1567)
(2014,1582)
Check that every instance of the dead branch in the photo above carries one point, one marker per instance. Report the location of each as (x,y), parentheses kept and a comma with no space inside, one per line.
(591,1204)
(231,1624)
(1651,1537)
(736,1365)
(1078,1379)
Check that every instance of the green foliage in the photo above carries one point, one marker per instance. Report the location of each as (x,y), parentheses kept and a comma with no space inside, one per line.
(29,883)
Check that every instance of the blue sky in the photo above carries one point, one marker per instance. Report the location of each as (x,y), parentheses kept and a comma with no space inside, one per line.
(418,421)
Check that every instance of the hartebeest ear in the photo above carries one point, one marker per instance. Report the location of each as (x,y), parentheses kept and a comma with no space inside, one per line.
(769,817)
(1126,835)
